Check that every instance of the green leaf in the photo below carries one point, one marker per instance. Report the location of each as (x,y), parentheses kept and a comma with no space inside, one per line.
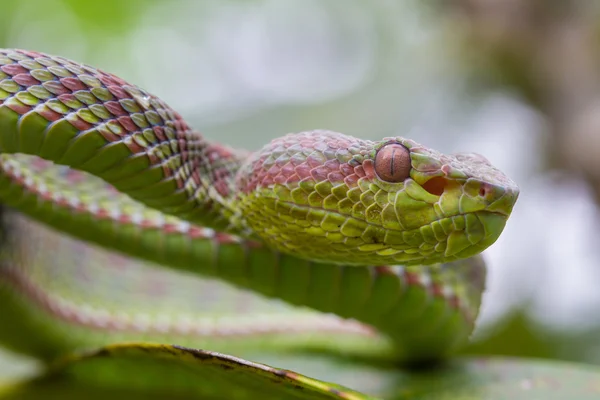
(173,372)
(149,371)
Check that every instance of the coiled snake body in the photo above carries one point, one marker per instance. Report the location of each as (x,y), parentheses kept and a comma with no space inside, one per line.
(316,219)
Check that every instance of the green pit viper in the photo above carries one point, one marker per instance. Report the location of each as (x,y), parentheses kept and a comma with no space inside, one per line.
(124,229)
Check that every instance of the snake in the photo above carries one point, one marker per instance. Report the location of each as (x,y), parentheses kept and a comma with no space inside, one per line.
(121,223)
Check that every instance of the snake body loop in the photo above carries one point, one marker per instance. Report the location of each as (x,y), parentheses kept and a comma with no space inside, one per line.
(326,208)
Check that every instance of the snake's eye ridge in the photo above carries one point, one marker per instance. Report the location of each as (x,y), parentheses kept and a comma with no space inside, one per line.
(392,163)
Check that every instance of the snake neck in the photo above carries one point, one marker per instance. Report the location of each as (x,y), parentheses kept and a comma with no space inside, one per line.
(214,174)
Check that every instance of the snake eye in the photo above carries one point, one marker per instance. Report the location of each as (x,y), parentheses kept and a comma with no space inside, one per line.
(392,163)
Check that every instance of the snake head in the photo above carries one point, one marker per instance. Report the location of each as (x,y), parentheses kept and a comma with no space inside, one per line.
(334,198)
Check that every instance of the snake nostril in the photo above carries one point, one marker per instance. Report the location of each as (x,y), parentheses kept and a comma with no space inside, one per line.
(483,191)
(436,185)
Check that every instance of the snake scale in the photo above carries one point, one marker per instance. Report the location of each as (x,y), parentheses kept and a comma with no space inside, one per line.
(101,181)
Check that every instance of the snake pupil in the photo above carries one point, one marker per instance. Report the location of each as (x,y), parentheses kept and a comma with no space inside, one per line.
(392,163)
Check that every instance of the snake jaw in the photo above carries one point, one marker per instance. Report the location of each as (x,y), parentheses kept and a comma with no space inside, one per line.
(476,196)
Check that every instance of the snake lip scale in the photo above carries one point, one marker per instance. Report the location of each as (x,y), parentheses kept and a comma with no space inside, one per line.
(384,232)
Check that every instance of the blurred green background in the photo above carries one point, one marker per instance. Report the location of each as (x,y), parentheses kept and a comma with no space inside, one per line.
(517,81)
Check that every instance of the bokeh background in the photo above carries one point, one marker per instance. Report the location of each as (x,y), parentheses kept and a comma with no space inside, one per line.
(515,80)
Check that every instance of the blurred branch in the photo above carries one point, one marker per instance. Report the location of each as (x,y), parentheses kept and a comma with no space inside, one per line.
(548,49)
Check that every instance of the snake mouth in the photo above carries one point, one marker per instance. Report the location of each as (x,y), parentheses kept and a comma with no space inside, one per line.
(482,229)
(487,212)
(452,238)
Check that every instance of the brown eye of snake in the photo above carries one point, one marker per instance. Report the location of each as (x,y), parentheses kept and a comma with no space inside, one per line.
(392,163)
